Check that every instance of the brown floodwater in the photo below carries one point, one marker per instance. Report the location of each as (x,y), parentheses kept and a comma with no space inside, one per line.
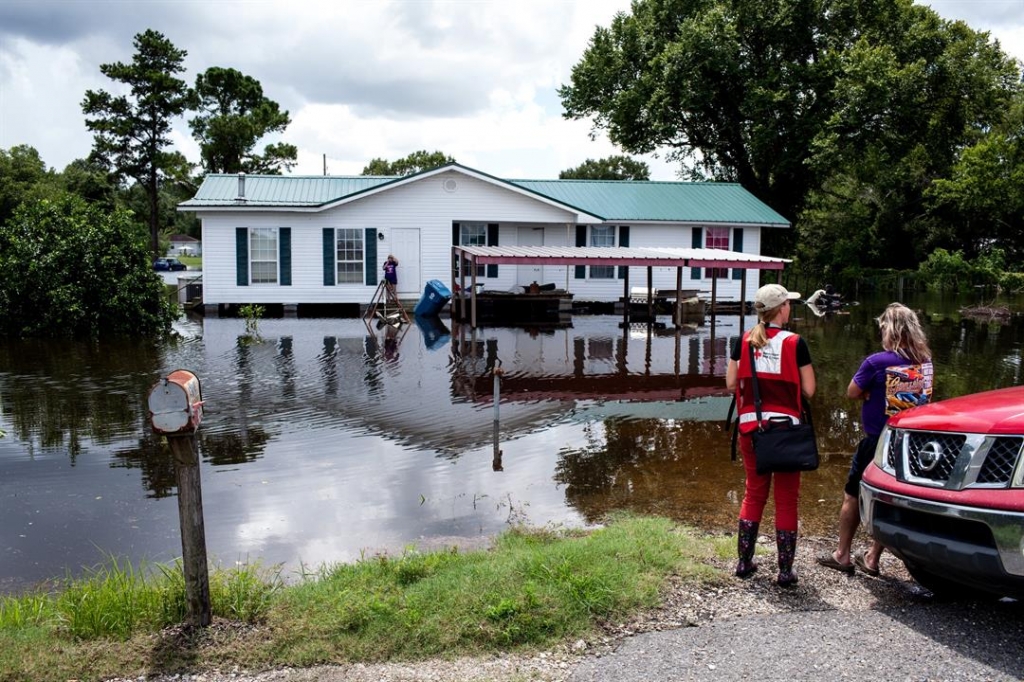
(325,440)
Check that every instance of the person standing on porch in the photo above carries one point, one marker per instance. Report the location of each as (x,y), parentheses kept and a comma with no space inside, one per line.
(785,377)
(391,271)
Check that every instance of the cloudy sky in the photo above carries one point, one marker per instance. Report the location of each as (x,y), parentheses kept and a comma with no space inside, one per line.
(475,79)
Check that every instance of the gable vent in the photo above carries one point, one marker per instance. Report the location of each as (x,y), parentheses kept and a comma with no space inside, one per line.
(450,185)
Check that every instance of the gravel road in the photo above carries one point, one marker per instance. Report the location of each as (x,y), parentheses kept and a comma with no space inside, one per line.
(830,627)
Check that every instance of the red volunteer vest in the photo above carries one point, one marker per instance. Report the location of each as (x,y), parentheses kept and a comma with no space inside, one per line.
(778,378)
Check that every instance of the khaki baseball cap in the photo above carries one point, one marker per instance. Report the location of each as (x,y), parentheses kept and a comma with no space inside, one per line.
(772,296)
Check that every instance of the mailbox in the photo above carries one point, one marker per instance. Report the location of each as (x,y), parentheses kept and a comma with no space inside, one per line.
(176,403)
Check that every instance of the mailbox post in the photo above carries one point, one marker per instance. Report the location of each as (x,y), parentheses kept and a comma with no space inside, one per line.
(175,411)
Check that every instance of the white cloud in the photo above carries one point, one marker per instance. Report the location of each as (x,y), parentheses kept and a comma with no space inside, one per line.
(475,80)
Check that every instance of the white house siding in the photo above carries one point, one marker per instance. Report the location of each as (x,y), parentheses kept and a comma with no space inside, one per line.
(423,205)
(428,206)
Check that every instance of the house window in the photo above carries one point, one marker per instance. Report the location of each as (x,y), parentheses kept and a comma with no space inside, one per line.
(602,235)
(263,255)
(349,253)
(717,238)
(474,234)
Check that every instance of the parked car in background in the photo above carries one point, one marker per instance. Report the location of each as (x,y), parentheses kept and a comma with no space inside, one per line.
(169,264)
(945,493)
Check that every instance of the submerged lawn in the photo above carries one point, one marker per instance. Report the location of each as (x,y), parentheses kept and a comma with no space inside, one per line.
(531,590)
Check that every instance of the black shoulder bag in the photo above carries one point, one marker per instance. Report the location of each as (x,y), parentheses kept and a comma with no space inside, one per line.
(780,445)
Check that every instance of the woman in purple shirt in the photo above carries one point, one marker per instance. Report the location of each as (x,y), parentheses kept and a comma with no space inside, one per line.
(894,379)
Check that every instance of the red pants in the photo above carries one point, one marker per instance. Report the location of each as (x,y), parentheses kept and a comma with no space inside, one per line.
(755,494)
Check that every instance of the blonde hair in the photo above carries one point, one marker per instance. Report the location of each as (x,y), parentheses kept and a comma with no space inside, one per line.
(902,333)
(759,333)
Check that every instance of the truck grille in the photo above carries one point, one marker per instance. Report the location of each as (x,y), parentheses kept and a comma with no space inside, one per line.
(954,460)
(933,455)
(1002,458)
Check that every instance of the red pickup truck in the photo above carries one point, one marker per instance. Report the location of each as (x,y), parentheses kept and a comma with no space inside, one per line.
(945,493)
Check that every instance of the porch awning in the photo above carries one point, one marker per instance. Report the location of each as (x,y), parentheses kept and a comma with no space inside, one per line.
(607,255)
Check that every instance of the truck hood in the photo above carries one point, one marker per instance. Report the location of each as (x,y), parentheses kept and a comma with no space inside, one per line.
(999,412)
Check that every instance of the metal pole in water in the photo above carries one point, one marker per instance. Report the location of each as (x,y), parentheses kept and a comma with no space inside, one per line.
(496,459)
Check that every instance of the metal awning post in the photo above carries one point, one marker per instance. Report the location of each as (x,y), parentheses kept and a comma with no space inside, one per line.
(714,298)
(473,289)
(650,293)
(743,298)
(625,298)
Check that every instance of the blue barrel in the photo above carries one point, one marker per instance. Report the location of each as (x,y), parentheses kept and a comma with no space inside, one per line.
(435,296)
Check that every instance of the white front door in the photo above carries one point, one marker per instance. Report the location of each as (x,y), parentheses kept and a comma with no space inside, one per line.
(405,246)
(527,274)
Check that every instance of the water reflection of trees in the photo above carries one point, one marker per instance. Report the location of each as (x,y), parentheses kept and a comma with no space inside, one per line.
(648,465)
(61,395)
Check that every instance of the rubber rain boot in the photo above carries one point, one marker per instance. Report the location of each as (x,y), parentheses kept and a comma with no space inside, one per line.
(785,540)
(746,542)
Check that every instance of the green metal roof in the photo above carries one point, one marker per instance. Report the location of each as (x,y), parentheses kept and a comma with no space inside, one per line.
(627,200)
(614,200)
(281,190)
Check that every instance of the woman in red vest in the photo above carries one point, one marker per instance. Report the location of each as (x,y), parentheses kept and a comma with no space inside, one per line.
(785,376)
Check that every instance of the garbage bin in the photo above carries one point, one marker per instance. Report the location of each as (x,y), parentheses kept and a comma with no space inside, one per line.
(435,334)
(435,296)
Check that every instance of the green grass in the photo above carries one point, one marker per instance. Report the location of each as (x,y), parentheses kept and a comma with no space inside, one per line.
(532,590)
(193,262)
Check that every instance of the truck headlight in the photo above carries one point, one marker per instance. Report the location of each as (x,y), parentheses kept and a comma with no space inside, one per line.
(889,443)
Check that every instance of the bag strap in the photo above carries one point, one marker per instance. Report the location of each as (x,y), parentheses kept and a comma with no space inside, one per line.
(753,382)
(805,407)
(734,424)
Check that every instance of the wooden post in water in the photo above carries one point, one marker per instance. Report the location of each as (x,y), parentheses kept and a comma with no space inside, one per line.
(496,464)
(175,411)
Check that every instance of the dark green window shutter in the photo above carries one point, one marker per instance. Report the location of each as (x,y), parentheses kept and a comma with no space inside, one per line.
(284,236)
(370,256)
(624,243)
(242,256)
(492,240)
(737,245)
(698,240)
(329,273)
(581,240)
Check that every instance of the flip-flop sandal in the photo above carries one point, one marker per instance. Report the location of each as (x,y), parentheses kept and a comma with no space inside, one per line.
(863,565)
(828,561)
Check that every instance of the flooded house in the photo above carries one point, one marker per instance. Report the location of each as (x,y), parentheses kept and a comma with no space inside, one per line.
(316,241)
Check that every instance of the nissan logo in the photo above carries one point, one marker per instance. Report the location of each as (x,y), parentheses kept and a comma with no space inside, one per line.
(929,455)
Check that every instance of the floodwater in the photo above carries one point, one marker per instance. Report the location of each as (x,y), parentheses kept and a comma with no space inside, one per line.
(325,440)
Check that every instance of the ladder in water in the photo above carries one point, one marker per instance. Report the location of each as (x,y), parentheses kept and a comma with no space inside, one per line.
(386,307)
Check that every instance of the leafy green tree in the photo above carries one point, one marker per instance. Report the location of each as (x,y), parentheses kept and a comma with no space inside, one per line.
(780,95)
(71,269)
(234,116)
(414,163)
(21,172)
(905,110)
(91,181)
(132,132)
(609,168)
(985,190)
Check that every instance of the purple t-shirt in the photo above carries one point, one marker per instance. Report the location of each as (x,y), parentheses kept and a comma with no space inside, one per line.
(892,382)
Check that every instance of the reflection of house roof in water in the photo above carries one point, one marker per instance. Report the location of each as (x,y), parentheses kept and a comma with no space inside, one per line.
(601,386)
(704,409)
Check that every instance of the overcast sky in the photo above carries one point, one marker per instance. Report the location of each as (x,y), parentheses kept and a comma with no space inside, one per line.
(475,79)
